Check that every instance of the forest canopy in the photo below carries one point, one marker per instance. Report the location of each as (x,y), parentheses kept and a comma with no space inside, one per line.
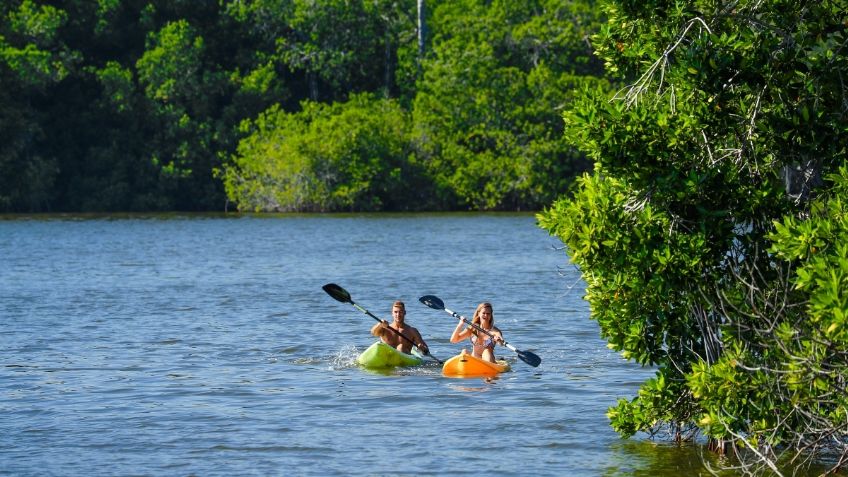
(289,105)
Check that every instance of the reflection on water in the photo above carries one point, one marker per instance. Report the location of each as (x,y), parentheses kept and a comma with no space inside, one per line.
(641,457)
(483,384)
(635,457)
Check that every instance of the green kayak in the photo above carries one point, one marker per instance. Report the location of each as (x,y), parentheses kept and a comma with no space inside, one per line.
(381,355)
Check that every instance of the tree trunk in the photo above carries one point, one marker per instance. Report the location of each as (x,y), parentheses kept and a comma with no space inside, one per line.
(389,63)
(422,30)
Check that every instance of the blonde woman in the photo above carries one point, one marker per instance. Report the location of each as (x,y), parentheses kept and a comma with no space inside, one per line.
(483,345)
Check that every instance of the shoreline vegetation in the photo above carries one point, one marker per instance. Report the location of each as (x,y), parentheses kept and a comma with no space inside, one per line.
(711,232)
(176,215)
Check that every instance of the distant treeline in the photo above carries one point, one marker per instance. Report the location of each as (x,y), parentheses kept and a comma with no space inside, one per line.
(290,105)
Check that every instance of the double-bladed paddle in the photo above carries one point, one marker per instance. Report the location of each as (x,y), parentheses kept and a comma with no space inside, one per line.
(436,303)
(340,294)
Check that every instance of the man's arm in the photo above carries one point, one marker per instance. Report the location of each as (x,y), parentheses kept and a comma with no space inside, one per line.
(379,329)
(419,341)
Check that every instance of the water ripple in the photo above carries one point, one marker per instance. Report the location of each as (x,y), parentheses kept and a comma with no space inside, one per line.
(207,347)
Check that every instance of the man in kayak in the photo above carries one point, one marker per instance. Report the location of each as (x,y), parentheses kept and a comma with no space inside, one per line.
(391,338)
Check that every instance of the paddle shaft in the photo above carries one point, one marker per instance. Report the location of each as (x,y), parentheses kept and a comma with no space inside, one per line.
(530,358)
(479,328)
(340,294)
(436,303)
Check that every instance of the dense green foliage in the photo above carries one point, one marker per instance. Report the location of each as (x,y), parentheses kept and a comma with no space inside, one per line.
(142,105)
(115,105)
(485,131)
(487,113)
(712,232)
(344,156)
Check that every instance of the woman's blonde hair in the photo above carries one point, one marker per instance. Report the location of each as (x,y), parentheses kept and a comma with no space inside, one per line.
(477,320)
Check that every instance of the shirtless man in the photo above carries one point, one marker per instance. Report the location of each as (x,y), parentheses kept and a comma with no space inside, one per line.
(382,331)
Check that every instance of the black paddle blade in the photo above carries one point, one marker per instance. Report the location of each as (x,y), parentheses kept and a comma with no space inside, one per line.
(433,302)
(337,292)
(529,358)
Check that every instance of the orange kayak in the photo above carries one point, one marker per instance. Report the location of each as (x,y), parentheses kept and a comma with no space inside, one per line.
(465,365)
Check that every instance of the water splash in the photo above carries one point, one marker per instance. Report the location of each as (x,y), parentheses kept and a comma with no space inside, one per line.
(345,358)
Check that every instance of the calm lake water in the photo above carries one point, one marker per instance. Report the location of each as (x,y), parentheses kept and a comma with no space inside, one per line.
(206,346)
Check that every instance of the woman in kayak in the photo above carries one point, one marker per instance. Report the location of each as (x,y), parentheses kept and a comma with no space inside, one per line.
(391,338)
(483,345)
